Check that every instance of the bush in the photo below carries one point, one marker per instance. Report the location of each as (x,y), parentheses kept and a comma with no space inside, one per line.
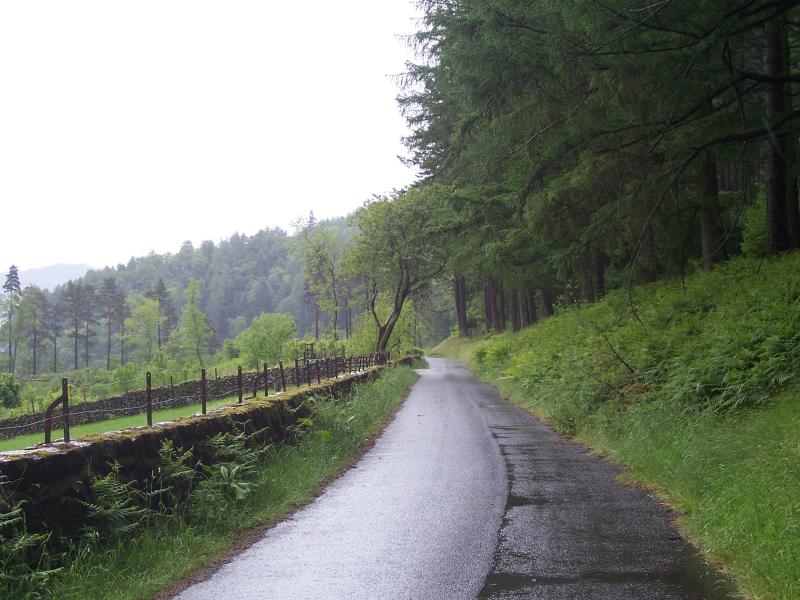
(10,392)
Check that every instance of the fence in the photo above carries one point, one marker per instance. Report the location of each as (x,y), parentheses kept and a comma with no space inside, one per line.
(199,391)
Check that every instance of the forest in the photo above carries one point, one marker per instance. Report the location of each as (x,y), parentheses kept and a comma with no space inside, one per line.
(564,150)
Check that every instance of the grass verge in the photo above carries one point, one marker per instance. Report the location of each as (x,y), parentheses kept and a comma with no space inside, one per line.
(703,409)
(157,556)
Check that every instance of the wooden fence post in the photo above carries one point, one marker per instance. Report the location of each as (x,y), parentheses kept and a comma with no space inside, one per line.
(266,380)
(283,376)
(239,382)
(203,390)
(65,393)
(297,372)
(149,379)
(255,382)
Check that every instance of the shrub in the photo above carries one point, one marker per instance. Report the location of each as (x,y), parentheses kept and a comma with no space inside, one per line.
(10,393)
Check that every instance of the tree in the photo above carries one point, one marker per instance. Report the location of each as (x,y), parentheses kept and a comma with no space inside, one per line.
(399,248)
(72,298)
(34,306)
(165,309)
(12,291)
(108,298)
(266,338)
(193,335)
(322,248)
(88,311)
(142,326)
(10,396)
(54,325)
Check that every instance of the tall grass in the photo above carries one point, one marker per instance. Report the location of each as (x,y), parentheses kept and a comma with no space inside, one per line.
(696,392)
(245,487)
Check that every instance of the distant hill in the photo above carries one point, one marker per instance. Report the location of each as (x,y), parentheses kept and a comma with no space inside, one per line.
(49,277)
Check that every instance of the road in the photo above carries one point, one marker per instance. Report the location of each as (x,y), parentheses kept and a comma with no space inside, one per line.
(463,496)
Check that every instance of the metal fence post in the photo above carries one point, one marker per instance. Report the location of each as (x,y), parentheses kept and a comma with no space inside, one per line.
(239,382)
(203,390)
(149,399)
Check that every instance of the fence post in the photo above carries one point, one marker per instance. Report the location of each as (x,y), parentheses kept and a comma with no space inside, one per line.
(336,367)
(171,387)
(203,390)
(149,378)
(297,372)
(308,373)
(255,382)
(65,393)
(239,382)
(266,380)
(283,376)
(216,376)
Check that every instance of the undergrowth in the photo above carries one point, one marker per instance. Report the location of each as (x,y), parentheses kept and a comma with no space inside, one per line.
(696,392)
(138,538)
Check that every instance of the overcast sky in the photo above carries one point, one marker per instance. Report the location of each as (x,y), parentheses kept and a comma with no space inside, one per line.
(127,127)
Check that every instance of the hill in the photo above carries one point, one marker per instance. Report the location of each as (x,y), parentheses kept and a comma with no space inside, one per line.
(697,393)
(50,277)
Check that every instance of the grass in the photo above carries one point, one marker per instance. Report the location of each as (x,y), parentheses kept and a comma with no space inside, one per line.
(77,431)
(142,565)
(703,409)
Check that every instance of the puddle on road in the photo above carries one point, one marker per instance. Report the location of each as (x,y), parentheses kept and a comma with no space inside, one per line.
(695,580)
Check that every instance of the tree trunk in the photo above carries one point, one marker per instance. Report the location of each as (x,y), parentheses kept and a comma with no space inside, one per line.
(531,294)
(35,342)
(488,305)
(777,227)
(385,330)
(600,273)
(516,324)
(586,272)
(500,309)
(792,208)
(108,345)
(86,348)
(460,296)
(708,199)
(547,303)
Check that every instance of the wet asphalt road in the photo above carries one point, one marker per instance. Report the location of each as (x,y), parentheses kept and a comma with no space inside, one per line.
(465,495)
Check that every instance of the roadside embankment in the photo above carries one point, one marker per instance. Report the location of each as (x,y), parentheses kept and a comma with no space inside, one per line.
(696,393)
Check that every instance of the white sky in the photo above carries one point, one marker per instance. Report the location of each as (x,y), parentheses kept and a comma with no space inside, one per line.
(130,126)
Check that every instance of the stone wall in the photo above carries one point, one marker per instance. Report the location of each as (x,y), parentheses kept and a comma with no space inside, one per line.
(53,479)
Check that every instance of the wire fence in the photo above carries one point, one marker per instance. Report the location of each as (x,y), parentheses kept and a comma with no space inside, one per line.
(242,385)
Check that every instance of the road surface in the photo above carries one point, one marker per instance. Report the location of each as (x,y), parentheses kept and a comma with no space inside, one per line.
(463,496)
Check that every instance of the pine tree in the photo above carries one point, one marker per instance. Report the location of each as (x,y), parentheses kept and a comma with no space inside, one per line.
(12,290)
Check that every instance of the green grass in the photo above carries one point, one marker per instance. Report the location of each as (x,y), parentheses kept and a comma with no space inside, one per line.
(705,412)
(167,414)
(150,562)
